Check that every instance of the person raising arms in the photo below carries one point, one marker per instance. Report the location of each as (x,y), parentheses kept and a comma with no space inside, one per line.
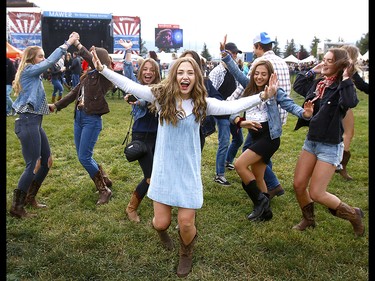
(333,94)
(181,103)
(31,105)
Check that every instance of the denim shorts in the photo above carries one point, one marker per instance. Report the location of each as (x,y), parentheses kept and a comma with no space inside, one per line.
(326,152)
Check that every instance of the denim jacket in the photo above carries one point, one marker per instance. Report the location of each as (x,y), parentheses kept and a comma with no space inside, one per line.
(140,110)
(33,92)
(274,120)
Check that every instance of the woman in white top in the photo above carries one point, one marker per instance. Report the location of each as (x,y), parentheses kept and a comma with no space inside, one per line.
(181,102)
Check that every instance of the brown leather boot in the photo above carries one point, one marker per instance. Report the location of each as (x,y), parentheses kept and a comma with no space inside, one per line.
(354,215)
(104,192)
(107,181)
(53,99)
(186,257)
(17,210)
(59,98)
(308,218)
(131,209)
(30,197)
(165,239)
(345,159)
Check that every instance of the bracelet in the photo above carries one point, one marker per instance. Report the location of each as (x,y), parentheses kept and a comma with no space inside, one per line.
(128,51)
(260,96)
(66,43)
(78,45)
(238,124)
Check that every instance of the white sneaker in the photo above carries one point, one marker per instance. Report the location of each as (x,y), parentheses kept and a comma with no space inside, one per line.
(221,180)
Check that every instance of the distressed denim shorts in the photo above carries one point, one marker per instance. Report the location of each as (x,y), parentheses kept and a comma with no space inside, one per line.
(326,152)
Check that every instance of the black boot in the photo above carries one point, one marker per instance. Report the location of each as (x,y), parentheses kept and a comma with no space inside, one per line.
(260,200)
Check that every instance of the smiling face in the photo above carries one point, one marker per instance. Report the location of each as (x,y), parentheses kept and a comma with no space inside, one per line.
(148,73)
(186,79)
(261,76)
(329,68)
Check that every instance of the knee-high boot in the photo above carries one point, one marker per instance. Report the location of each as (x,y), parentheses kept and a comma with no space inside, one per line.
(131,209)
(308,219)
(107,180)
(186,257)
(354,215)
(17,210)
(30,197)
(262,210)
(165,238)
(345,159)
(104,192)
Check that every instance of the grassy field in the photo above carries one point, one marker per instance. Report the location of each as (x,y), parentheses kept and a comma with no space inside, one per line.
(73,239)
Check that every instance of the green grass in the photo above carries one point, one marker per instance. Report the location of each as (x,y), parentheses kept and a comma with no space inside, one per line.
(76,240)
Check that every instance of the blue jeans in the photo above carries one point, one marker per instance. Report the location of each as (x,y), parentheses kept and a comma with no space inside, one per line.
(35,146)
(86,132)
(75,80)
(269,176)
(57,87)
(237,141)
(9,99)
(223,138)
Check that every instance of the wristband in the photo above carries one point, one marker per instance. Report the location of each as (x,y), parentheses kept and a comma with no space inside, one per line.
(66,43)
(78,45)
(238,124)
(260,96)
(128,51)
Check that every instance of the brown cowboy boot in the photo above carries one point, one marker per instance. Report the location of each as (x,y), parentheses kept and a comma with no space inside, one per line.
(107,181)
(186,257)
(165,239)
(345,159)
(308,218)
(30,197)
(17,210)
(131,209)
(354,215)
(104,192)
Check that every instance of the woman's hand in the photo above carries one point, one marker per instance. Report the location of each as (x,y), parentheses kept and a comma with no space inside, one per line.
(222,44)
(253,125)
(95,60)
(52,107)
(271,89)
(309,109)
(73,37)
(127,44)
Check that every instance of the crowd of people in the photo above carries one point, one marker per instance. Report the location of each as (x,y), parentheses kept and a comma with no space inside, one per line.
(175,108)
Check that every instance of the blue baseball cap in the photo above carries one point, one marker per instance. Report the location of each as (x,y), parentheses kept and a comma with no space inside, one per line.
(263,38)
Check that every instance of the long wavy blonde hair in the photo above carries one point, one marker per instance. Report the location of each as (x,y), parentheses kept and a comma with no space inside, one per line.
(167,94)
(28,57)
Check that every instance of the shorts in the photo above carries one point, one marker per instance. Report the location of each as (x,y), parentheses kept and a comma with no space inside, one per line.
(326,152)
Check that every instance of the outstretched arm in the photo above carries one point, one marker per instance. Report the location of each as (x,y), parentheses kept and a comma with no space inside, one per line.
(124,83)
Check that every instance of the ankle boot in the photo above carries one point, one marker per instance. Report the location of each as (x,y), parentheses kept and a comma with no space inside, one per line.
(107,181)
(131,209)
(165,239)
(104,192)
(30,197)
(17,210)
(260,200)
(345,159)
(59,98)
(354,215)
(53,99)
(186,257)
(308,218)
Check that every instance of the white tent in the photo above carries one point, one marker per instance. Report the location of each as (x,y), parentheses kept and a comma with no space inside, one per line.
(365,56)
(308,59)
(291,58)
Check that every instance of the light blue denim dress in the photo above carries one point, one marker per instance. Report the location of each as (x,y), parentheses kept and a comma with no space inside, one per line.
(177,182)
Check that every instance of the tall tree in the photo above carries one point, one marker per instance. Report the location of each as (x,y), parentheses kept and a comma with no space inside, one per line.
(205,53)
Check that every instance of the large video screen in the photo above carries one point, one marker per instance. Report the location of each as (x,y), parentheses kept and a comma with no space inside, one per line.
(168,38)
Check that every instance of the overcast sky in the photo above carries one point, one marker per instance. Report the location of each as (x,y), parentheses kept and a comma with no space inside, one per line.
(205,21)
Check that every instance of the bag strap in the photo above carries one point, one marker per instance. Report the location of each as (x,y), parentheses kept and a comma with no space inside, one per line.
(128,132)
